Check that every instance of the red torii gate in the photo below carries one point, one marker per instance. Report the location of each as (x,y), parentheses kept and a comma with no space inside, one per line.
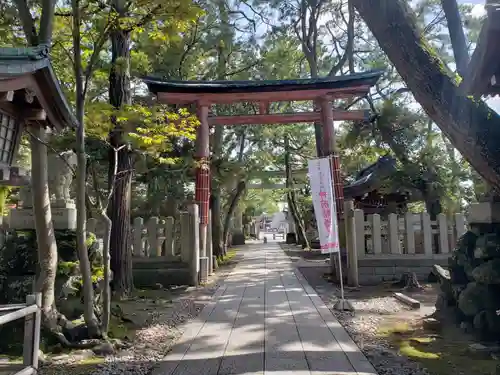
(322,91)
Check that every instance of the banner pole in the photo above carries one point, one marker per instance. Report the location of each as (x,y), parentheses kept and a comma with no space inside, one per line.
(341,280)
(332,259)
(342,304)
(334,204)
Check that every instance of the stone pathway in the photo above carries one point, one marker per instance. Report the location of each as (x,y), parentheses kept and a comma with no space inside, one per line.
(265,319)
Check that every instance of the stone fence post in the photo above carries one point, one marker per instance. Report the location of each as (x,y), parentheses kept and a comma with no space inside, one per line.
(350,236)
(137,242)
(193,234)
(169,244)
(153,241)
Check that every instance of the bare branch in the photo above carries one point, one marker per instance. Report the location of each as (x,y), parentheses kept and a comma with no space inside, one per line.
(52,149)
(234,72)
(189,47)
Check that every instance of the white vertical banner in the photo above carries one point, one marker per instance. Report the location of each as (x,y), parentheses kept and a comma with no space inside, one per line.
(323,198)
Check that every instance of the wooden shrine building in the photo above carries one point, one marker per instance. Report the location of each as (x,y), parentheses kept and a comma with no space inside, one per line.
(204,94)
(29,94)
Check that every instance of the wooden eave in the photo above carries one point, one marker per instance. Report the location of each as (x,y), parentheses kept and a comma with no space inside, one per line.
(29,69)
(485,61)
(226,92)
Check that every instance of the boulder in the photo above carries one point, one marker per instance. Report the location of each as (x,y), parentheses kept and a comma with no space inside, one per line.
(471,293)
(488,273)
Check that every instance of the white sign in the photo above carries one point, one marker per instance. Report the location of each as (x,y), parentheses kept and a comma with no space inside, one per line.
(323,197)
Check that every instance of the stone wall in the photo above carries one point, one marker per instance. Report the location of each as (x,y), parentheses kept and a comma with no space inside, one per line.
(374,270)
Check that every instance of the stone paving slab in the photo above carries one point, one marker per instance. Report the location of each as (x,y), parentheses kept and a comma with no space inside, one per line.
(265,319)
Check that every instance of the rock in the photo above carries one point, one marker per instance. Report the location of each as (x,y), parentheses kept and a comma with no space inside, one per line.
(432,324)
(106,348)
(81,355)
(481,351)
(158,286)
(444,279)
(120,344)
(493,324)
(60,358)
(456,290)
(41,356)
(477,297)
(460,263)
(487,247)
(488,273)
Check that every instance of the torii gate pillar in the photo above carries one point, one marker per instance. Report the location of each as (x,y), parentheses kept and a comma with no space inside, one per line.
(329,148)
(202,192)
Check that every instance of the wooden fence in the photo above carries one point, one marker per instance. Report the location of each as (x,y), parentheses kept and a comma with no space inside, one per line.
(32,314)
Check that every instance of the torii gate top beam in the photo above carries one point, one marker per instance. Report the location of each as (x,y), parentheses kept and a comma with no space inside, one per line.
(215,92)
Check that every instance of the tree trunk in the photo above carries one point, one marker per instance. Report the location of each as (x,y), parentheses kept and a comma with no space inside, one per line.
(81,179)
(299,223)
(217,243)
(47,247)
(457,35)
(472,127)
(225,41)
(292,206)
(240,189)
(215,198)
(106,292)
(119,210)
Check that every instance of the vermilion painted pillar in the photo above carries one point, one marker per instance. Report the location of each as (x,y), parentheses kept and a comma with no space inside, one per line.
(202,185)
(330,149)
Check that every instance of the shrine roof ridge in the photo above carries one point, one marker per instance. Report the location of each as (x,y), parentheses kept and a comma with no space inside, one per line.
(156,85)
(35,61)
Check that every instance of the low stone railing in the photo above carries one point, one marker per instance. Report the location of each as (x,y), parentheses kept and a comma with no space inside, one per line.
(406,235)
(157,237)
(382,250)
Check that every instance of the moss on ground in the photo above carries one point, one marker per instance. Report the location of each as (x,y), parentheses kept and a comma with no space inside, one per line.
(443,354)
(228,258)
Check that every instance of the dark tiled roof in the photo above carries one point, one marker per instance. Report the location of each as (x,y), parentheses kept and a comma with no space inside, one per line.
(156,84)
(36,61)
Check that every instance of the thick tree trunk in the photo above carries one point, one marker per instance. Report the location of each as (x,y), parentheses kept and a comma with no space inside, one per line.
(223,47)
(47,247)
(472,127)
(119,209)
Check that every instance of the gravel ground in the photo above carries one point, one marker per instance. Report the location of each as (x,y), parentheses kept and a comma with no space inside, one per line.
(363,325)
(150,344)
